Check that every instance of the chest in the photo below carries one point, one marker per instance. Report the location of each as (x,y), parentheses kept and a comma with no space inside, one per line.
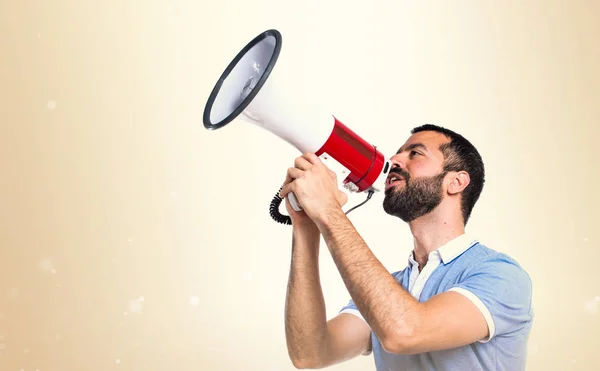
(434,278)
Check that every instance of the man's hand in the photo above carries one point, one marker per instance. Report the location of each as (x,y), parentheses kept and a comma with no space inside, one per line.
(315,187)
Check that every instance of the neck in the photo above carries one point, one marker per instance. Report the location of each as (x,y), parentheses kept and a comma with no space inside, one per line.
(431,232)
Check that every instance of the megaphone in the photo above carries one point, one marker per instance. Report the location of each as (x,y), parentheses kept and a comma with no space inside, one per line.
(250,89)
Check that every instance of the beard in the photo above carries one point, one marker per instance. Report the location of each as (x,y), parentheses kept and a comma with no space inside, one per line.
(418,197)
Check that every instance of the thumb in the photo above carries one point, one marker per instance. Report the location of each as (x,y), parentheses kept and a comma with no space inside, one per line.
(342,198)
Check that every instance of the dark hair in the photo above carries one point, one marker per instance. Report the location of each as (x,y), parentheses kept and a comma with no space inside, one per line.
(461,155)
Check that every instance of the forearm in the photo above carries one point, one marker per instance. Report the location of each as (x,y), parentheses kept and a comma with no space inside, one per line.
(305,315)
(387,307)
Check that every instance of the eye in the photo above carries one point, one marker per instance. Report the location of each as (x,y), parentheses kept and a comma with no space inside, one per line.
(413,152)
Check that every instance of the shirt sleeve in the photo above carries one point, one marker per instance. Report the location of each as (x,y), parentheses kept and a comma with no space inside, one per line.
(502,290)
(351,308)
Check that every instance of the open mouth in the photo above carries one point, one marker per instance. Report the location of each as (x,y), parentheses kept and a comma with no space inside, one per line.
(394,179)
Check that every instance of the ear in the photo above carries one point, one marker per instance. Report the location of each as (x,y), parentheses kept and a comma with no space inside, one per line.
(458,182)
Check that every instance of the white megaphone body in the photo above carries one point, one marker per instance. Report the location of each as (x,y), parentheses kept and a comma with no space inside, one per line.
(250,88)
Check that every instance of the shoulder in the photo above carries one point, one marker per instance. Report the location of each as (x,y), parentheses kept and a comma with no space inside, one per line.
(485,260)
(484,266)
(500,287)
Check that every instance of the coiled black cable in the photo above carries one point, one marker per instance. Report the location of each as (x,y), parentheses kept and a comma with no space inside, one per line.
(274,210)
(286,220)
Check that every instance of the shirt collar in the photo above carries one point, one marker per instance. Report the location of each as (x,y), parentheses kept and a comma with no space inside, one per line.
(449,251)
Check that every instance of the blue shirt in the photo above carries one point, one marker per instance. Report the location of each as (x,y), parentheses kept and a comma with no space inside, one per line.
(495,283)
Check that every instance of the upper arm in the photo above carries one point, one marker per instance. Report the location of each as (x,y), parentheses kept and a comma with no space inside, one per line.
(348,336)
(502,291)
(447,320)
(492,299)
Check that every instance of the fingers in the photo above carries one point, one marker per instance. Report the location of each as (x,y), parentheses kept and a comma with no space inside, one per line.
(302,163)
(286,189)
(311,158)
(294,173)
(291,175)
(307,160)
(342,198)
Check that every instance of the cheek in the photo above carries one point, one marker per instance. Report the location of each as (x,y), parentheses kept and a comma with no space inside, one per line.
(423,168)
(420,168)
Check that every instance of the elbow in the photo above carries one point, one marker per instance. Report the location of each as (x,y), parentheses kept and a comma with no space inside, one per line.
(402,340)
(309,354)
(305,363)
(398,347)
(306,360)
(300,364)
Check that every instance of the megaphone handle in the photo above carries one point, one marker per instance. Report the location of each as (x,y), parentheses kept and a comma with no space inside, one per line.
(294,202)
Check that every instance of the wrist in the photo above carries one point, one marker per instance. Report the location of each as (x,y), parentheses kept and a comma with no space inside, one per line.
(306,232)
(329,218)
(304,227)
(306,239)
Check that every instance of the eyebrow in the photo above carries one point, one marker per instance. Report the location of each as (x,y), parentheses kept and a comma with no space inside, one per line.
(411,147)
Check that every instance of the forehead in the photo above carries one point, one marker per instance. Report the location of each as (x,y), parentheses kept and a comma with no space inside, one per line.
(429,141)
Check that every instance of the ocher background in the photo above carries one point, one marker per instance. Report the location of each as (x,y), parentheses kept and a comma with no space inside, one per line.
(134,239)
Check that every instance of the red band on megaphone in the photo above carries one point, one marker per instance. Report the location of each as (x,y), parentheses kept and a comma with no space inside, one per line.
(362,159)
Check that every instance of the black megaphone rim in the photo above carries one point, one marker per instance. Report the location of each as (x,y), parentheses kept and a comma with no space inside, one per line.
(216,89)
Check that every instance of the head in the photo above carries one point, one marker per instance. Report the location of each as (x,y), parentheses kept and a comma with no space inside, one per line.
(435,166)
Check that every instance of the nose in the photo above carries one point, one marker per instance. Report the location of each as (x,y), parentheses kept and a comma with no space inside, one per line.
(398,161)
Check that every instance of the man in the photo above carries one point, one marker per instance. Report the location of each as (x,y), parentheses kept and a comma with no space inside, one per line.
(458,305)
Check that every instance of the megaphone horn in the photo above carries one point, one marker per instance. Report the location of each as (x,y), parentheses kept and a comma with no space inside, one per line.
(248,88)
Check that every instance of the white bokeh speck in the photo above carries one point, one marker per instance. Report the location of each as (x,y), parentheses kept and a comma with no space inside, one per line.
(248,276)
(51,104)
(47,266)
(194,300)
(591,306)
(135,305)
